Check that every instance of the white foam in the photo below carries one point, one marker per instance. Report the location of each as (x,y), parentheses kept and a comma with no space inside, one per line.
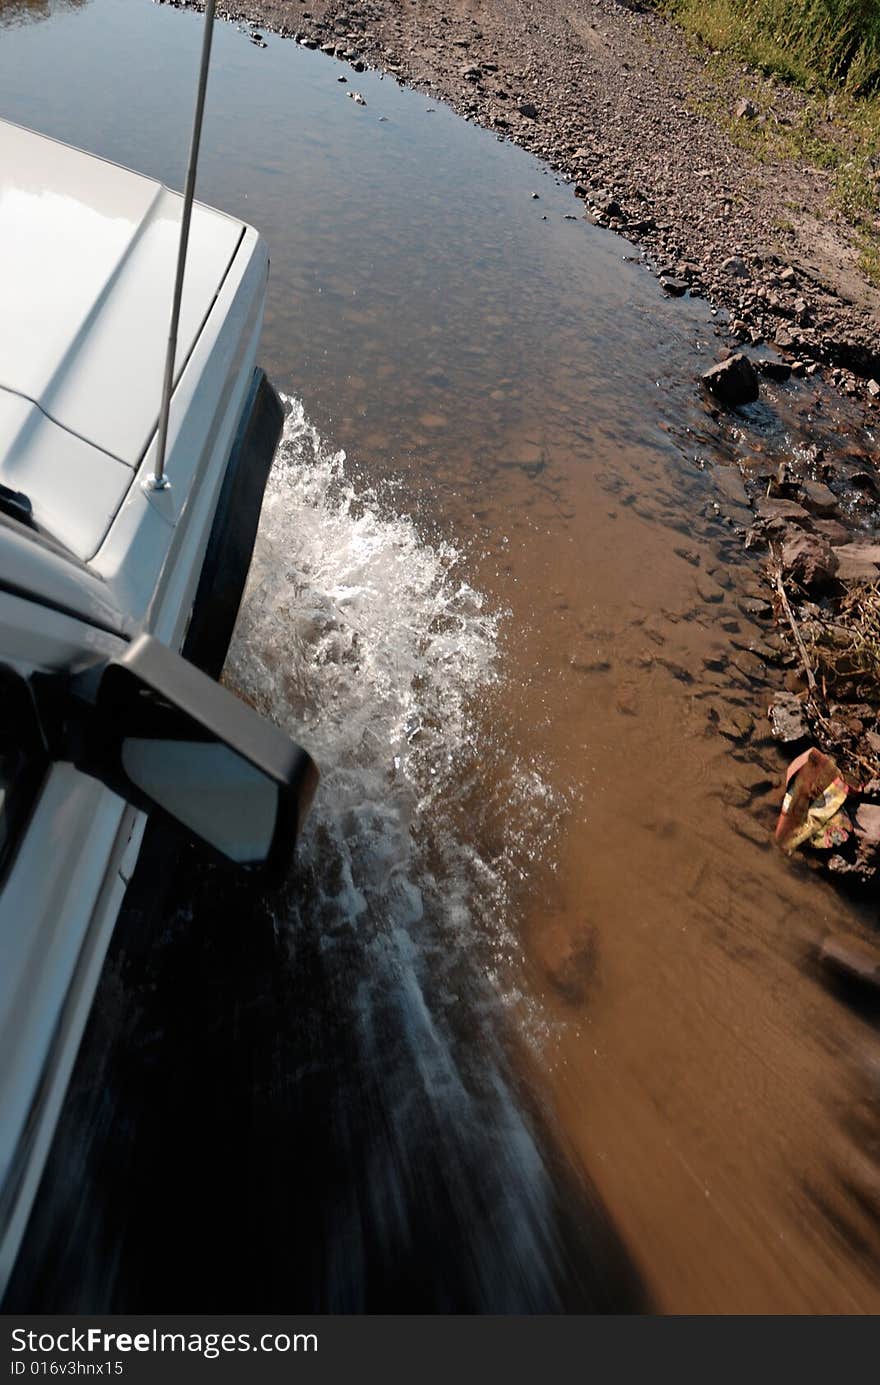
(368,645)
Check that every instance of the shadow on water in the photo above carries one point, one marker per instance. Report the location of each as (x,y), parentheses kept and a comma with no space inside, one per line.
(260,1160)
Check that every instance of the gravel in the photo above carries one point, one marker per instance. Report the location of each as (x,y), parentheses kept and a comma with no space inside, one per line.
(613,97)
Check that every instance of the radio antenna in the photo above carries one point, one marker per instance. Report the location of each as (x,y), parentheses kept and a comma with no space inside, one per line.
(159,481)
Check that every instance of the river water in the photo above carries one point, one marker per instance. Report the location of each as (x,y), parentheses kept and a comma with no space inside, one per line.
(536,1023)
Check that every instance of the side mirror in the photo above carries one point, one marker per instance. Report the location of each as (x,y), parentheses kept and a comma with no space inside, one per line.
(163,735)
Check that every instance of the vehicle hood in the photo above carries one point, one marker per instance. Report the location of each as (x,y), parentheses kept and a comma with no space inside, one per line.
(87,257)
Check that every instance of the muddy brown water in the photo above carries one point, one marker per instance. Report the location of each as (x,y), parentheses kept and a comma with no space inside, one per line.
(537,1023)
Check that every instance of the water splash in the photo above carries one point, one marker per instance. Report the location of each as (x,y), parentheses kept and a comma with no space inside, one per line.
(370,646)
(353,631)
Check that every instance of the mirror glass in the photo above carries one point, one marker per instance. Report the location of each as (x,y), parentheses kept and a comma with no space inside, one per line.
(210,789)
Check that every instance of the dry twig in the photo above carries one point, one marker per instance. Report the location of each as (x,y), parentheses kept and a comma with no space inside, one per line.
(780,587)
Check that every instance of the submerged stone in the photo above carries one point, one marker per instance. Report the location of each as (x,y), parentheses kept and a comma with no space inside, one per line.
(732,381)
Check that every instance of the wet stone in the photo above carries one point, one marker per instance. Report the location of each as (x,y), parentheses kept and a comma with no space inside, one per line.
(810,561)
(819,499)
(735,724)
(709,591)
(756,779)
(689,555)
(729,481)
(750,666)
(770,650)
(735,796)
(778,511)
(746,826)
(787,719)
(733,381)
(774,370)
(756,607)
(858,562)
(832,532)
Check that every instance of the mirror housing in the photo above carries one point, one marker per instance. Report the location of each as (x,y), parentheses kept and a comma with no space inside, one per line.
(167,738)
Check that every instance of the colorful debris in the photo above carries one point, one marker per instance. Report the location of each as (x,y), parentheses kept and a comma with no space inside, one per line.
(812,809)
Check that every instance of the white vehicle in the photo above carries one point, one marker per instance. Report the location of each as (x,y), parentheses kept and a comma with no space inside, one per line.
(105,574)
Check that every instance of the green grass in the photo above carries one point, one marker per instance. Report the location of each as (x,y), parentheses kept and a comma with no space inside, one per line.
(811,43)
(869,258)
(831,50)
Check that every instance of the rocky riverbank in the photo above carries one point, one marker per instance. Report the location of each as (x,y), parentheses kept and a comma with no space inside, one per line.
(814,514)
(616,101)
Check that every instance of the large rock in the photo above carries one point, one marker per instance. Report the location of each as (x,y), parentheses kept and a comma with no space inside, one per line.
(809,560)
(832,531)
(780,512)
(858,562)
(774,369)
(819,499)
(732,381)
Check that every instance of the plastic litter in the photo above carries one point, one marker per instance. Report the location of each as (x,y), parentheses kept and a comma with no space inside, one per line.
(812,809)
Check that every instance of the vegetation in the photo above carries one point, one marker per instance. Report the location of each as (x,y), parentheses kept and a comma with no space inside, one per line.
(842,652)
(811,43)
(831,50)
